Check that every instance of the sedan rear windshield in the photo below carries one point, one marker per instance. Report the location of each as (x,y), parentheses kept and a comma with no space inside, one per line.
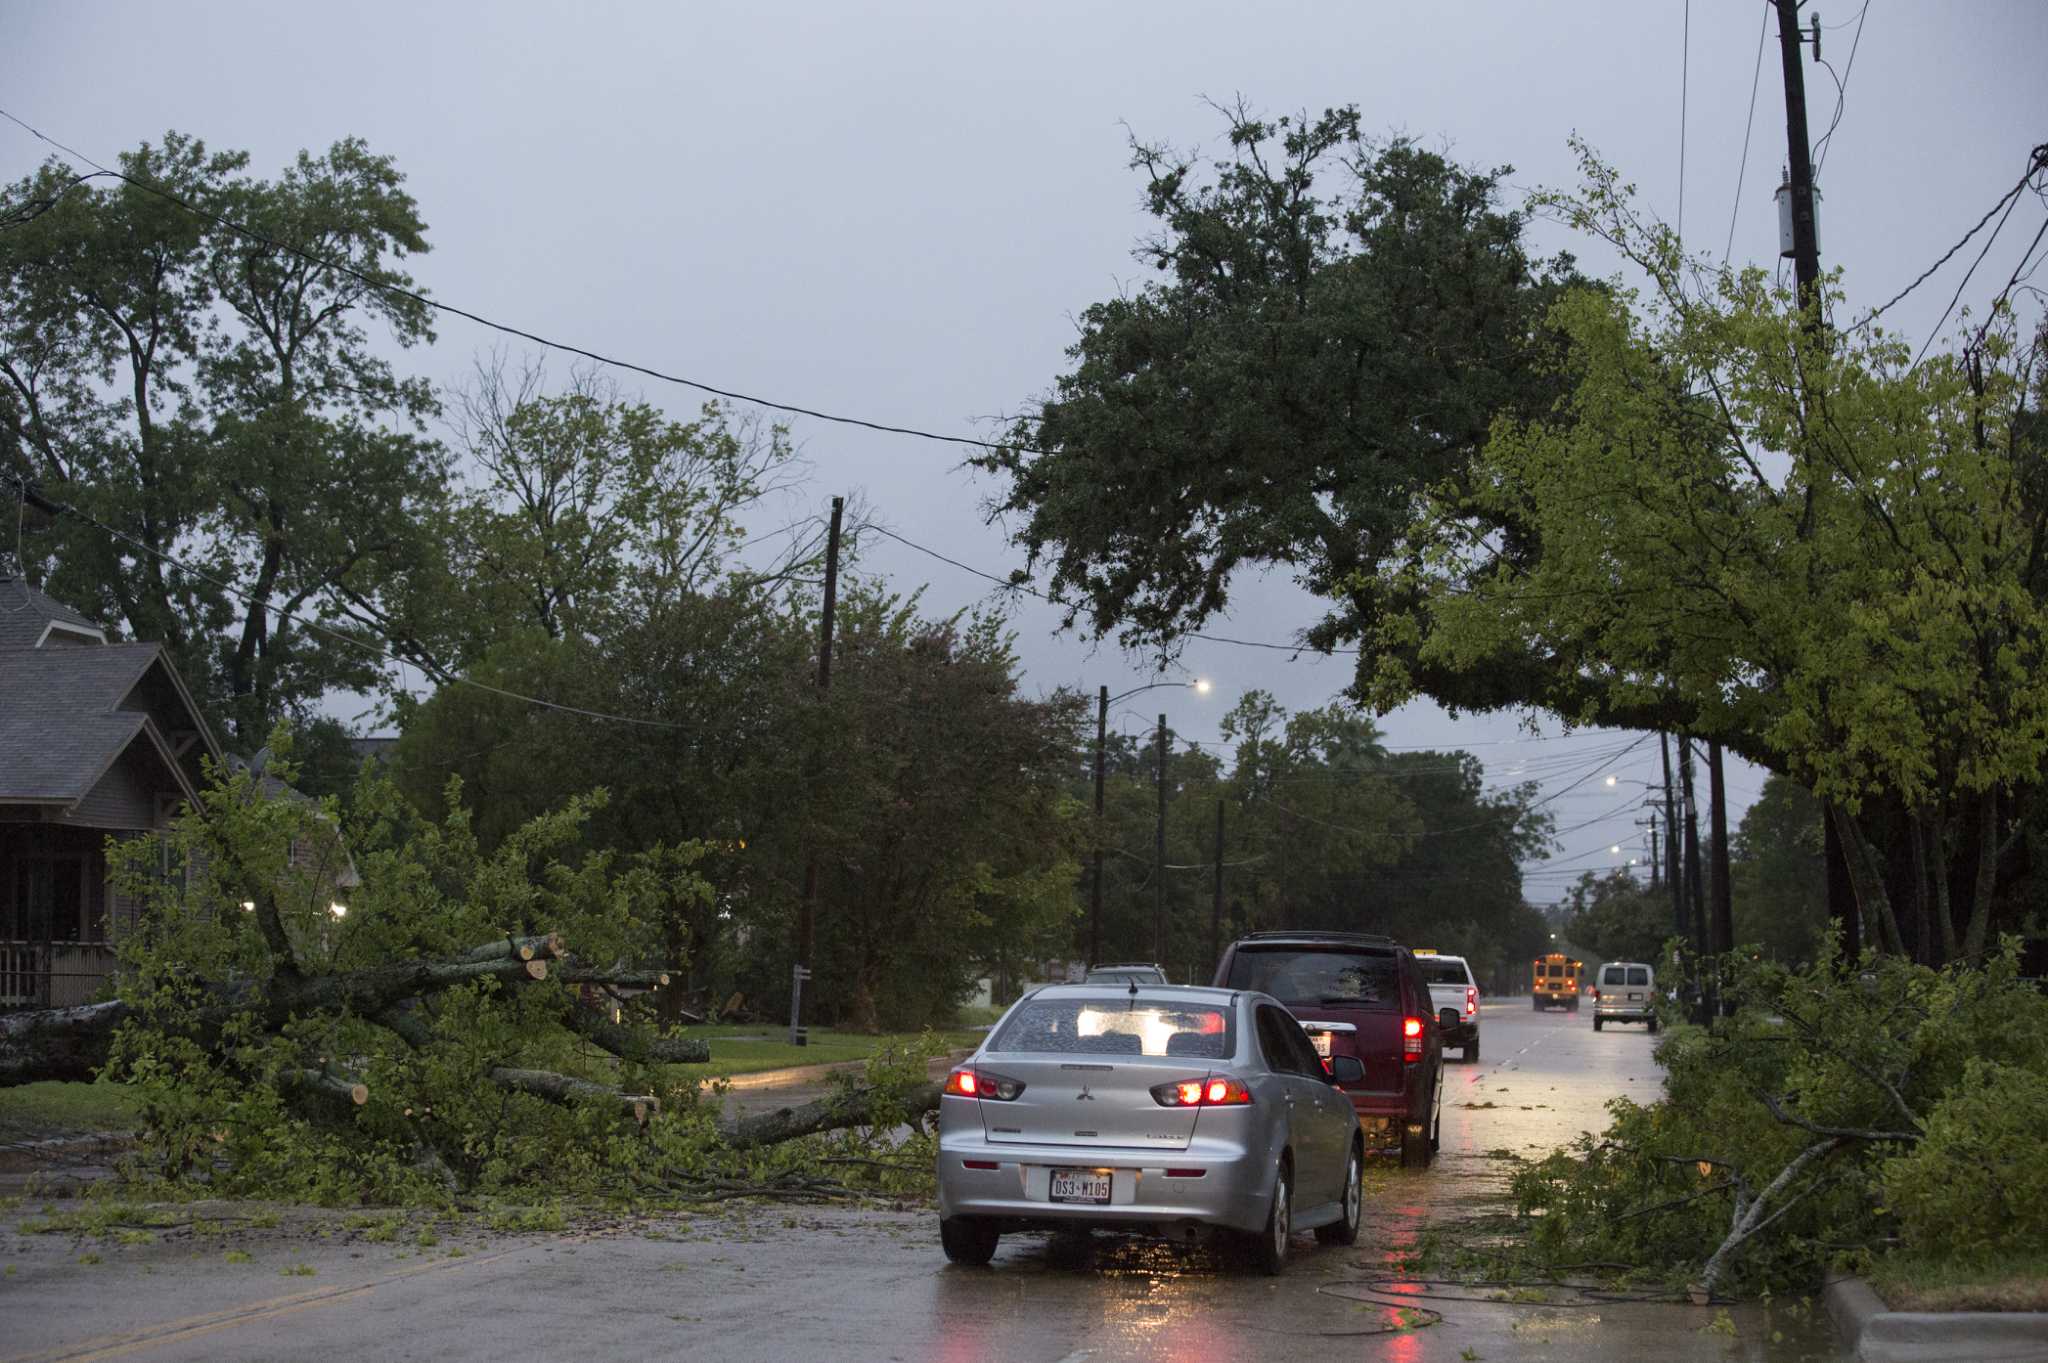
(1320,976)
(1132,976)
(1438,971)
(1118,1025)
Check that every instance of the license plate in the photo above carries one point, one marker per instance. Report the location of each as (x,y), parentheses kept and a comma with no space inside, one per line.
(1080,1185)
(1635,998)
(1322,1043)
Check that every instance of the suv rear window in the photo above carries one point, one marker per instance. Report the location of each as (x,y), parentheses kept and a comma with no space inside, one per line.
(1118,1025)
(1436,970)
(1346,977)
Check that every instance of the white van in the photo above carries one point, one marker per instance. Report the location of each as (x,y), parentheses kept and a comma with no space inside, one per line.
(1625,991)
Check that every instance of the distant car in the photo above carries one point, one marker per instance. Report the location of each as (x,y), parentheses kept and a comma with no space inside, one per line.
(1455,995)
(1175,1111)
(1625,991)
(1358,995)
(1134,972)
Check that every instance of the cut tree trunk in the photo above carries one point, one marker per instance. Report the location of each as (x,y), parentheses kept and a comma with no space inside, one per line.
(58,1043)
(561,1088)
(861,1107)
(73,1043)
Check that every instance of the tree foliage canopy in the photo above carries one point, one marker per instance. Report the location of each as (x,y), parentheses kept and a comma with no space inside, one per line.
(1335,326)
(1831,558)
(218,396)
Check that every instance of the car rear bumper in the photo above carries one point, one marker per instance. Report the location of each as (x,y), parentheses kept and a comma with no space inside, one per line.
(1382,1117)
(1624,1012)
(1234,1189)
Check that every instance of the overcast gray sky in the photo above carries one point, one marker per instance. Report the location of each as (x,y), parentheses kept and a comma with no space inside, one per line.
(896,210)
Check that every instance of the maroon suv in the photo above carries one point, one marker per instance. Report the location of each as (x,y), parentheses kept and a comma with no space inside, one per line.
(1361,995)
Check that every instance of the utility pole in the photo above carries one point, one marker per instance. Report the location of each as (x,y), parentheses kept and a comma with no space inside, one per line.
(807,914)
(1216,905)
(1723,889)
(1843,909)
(1159,859)
(1693,887)
(1799,156)
(1672,875)
(1095,882)
(1651,824)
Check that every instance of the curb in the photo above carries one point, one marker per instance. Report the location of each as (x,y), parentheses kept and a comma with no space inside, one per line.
(1875,1334)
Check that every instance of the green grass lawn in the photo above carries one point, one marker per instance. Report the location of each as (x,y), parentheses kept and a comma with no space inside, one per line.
(37,1111)
(731,1056)
(2015,1282)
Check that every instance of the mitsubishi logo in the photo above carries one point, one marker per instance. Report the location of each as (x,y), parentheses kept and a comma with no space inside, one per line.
(1084,1096)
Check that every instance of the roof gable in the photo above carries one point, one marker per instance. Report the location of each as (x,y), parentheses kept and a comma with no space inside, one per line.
(27,615)
(63,721)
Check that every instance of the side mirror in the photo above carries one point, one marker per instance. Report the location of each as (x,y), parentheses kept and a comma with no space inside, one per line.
(1347,1069)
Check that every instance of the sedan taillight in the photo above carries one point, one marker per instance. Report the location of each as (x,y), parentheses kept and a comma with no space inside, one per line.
(1201,1093)
(972,1083)
(1411,1039)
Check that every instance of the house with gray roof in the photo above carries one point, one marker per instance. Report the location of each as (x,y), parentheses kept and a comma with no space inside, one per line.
(98,740)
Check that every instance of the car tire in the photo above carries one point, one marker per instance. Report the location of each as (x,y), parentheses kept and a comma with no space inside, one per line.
(1345,1232)
(1472,1051)
(968,1239)
(1596,1023)
(1269,1246)
(1653,1026)
(1535,1005)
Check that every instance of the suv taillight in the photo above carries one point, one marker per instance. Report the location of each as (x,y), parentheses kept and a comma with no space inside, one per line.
(1411,1039)
(971,1083)
(1201,1093)
(1471,1000)
(1596,993)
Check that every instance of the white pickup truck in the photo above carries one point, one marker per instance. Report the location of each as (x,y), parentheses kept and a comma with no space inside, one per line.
(1455,996)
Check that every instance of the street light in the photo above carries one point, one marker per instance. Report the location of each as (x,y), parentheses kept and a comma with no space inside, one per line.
(1200,686)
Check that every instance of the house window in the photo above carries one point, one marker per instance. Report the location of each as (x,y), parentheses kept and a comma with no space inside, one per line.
(51,902)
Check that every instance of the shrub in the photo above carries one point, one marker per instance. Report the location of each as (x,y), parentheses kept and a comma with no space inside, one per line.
(1977,1180)
(1835,1093)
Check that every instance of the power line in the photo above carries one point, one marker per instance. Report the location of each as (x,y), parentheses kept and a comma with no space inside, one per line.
(1990,241)
(1016,584)
(1826,142)
(1684,102)
(399,290)
(51,506)
(1748,126)
(2035,160)
(1587,775)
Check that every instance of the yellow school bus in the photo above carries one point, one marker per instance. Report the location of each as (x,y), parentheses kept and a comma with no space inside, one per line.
(1555,982)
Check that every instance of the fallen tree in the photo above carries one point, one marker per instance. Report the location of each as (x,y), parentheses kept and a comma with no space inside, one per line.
(468,1021)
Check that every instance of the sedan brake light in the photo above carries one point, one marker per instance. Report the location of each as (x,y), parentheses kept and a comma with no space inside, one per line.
(1411,1040)
(1201,1093)
(972,1083)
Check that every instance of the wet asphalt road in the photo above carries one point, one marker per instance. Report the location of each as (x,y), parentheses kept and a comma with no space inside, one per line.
(765,1283)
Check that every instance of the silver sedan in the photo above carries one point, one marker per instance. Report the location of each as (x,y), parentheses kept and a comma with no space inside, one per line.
(1177,1111)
